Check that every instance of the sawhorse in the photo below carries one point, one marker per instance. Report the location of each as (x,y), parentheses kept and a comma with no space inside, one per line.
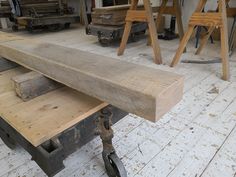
(146,15)
(211,20)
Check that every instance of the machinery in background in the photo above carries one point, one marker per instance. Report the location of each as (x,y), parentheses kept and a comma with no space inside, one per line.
(39,14)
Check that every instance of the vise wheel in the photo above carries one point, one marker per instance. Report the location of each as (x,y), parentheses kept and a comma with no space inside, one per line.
(113,164)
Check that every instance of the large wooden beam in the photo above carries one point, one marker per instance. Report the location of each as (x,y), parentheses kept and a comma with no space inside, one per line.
(144,91)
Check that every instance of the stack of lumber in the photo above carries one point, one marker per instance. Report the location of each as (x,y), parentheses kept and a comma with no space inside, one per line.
(144,91)
(111,15)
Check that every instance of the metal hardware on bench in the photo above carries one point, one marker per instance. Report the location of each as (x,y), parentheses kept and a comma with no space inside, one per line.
(50,155)
(113,164)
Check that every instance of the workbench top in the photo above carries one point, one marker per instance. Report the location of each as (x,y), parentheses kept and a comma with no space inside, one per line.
(46,116)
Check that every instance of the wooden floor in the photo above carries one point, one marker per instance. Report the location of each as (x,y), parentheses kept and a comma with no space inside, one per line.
(196,138)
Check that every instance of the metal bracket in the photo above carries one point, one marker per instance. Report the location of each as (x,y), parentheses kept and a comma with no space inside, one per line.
(113,164)
(50,155)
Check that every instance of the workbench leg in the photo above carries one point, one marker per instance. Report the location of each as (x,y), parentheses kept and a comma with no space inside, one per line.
(160,13)
(125,38)
(179,19)
(182,46)
(159,17)
(204,40)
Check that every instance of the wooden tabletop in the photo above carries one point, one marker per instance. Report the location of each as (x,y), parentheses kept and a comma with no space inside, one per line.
(46,116)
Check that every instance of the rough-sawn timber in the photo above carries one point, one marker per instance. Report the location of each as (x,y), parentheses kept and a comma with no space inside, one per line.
(146,92)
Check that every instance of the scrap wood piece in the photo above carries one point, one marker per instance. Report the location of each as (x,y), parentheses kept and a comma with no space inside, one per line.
(33,84)
(146,92)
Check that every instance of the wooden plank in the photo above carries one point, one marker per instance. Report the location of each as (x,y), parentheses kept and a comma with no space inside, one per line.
(144,91)
(46,116)
(6,64)
(32,84)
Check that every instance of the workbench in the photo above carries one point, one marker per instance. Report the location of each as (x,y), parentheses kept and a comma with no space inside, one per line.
(36,124)
(52,126)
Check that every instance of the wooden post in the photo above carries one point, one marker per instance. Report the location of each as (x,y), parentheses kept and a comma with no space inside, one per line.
(224,40)
(145,15)
(32,84)
(178,15)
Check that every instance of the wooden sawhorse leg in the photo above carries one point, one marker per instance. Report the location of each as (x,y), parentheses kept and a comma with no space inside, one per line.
(211,20)
(145,15)
(175,10)
(209,33)
(204,40)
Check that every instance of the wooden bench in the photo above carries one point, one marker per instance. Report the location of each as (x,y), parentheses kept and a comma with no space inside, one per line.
(40,119)
(51,126)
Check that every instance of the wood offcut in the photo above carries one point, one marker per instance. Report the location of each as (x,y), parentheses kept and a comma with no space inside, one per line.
(33,84)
